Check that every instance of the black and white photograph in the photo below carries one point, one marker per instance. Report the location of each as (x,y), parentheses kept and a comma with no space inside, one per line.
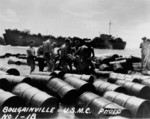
(74,59)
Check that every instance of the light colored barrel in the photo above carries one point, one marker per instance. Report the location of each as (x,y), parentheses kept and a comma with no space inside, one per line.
(135,89)
(44,73)
(43,79)
(138,107)
(34,97)
(80,85)
(96,103)
(87,78)
(99,73)
(9,99)
(103,86)
(13,80)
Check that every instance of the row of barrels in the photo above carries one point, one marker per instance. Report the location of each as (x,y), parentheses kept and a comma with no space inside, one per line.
(25,95)
(116,63)
(103,88)
(74,82)
(143,80)
(18,55)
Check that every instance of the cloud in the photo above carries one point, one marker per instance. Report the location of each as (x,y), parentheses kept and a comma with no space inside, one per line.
(9,16)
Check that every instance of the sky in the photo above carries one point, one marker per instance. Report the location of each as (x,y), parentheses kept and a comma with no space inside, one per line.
(130,19)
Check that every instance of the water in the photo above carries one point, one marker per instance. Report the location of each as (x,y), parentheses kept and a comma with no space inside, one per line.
(98,52)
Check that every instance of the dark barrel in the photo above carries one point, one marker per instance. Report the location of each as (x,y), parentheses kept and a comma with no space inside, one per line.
(34,97)
(135,89)
(44,73)
(11,71)
(17,62)
(99,73)
(14,80)
(138,107)
(66,93)
(96,103)
(103,86)
(105,67)
(4,84)
(79,84)
(118,68)
(42,79)
(88,78)
(8,99)
(107,59)
(60,74)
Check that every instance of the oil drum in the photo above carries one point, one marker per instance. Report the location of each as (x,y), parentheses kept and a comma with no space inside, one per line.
(66,93)
(11,71)
(29,94)
(88,78)
(8,99)
(80,85)
(103,86)
(96,104)
(99,73)
(138,107)
(135,89)
(105,67)
(44,73)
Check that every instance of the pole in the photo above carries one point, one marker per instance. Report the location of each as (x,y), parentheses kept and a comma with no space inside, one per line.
(110,28)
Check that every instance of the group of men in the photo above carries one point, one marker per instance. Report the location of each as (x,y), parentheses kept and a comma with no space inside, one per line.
(72,56)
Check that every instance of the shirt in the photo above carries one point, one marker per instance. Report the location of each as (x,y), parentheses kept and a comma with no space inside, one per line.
(30,51)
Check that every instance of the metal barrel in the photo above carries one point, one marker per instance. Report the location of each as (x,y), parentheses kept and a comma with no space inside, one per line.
(68,75)
(88,78)
(103,86)
(42,79)
(105,67)
(145,82)
(44,73)
(135,89)
(118,68)
(113,77)
(96,104)
(4,84)
(14,80)
(8,99)
(34,97)
(107,59)
(12,61)
(66,93)
(60,74)
(80,85)
(99,73)
(137,106)
(11,71)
